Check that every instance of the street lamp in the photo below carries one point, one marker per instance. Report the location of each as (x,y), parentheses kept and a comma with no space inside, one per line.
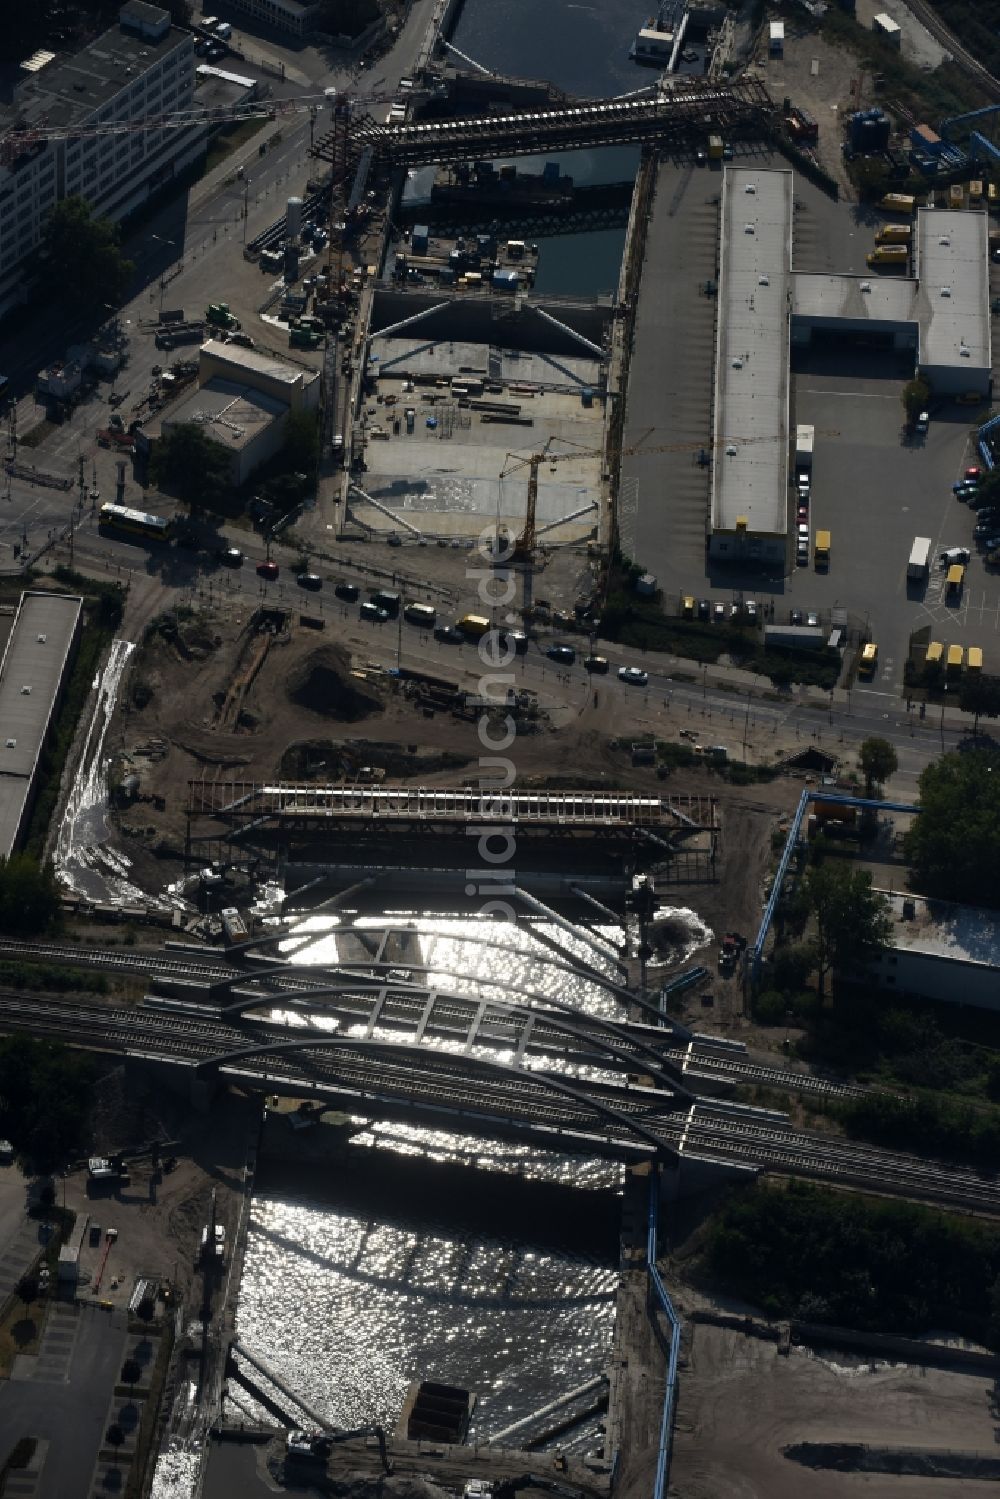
(162,239)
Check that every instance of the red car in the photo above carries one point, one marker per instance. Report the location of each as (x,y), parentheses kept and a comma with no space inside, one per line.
(268,570)
(803,512)
(973,473)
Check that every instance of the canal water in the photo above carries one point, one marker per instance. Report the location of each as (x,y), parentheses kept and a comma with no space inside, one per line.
(418,1254)
(583,49)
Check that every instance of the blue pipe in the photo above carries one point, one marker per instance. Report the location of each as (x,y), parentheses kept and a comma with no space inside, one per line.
(660,1291)
(866,803)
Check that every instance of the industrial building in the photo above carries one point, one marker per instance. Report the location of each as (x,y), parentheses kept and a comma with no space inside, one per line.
(140,68)
(749,474)
(294,16)
(942,951)
(940,316)
(243,398)
(32,677)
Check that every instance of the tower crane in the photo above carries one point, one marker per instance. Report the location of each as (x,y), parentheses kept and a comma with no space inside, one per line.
(524,546)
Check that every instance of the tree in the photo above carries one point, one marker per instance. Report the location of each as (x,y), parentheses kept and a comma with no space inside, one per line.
(301,449)
(980,695)
(27,1290)
(82,256)
(852,922)
(190,464)
(916,394)
(952,846)
(878,762)
(131,1371)
(29,896)
(791,966)
(44,1098)
(114,1436)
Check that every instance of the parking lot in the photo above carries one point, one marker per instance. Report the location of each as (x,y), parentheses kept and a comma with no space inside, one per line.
(873,488)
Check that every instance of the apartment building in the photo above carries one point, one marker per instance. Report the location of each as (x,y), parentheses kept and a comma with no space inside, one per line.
(141,68)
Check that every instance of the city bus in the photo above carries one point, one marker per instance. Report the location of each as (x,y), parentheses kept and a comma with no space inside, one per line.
(135,522)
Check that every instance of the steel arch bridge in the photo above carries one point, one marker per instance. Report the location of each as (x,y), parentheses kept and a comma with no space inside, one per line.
(478,1096)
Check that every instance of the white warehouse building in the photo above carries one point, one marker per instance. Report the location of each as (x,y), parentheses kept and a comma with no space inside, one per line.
(939,317)
(939,950)
(141,68)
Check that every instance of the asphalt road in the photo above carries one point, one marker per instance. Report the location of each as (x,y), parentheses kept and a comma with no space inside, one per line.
(70,1415)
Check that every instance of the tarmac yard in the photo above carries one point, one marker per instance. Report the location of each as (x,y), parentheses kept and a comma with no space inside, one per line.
(440,468)
(741,1403)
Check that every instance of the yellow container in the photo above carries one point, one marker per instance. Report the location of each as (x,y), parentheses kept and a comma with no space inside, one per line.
(935,651)
(956,655)
(975,661)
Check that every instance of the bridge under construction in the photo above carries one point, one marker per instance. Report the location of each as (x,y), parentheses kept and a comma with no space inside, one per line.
(399,827)
(675,116)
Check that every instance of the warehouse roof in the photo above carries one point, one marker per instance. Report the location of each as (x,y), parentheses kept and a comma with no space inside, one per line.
(231,413)
(857,298)
(30,676)
(217,356)
(943,929)
(953,302)
(752,357)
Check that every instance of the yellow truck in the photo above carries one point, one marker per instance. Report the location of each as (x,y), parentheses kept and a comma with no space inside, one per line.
(715,144)
(889,255)
(954,582)
(821,549)
(956,655)
(899,203)
(975,658)
(893,234)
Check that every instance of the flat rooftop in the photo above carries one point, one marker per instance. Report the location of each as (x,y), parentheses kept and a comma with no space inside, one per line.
(954,288)
(235,357)
(445,478)
(749,472)
(72,88)
(231,413)
(877,299)
(30,676)
(944,930)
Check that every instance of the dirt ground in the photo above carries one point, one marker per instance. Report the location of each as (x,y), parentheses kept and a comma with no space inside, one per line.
(159,1217)
(741,1403)
(822,80)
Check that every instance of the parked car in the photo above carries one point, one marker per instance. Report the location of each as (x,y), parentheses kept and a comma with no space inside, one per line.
(795,616)
(812,619)
(596,664)
(973,472)
(704,609)
(718,611)
(229,556)
(348,591)
(802,554)
(633,675)
(562,653)
(268,570)
(312,581)
(951,555)
(965,487)
(373,612)
(803,513)
(751,609)
(990,543)
(393,540)
(922,422)
(450,634)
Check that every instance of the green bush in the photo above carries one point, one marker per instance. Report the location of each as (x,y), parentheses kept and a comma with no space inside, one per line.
(856,1262)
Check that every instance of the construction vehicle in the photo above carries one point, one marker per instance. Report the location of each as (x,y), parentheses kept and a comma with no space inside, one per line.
(897,255)
(219,316)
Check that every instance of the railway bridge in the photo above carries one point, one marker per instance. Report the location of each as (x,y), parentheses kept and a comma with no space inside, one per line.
(675,116)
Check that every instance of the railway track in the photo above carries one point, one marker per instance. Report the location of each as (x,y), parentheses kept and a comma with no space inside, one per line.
(696,1059)
(962,56)
(439,1084)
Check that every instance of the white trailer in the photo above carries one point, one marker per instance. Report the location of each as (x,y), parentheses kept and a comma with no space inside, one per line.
(920,560)
(805,439)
